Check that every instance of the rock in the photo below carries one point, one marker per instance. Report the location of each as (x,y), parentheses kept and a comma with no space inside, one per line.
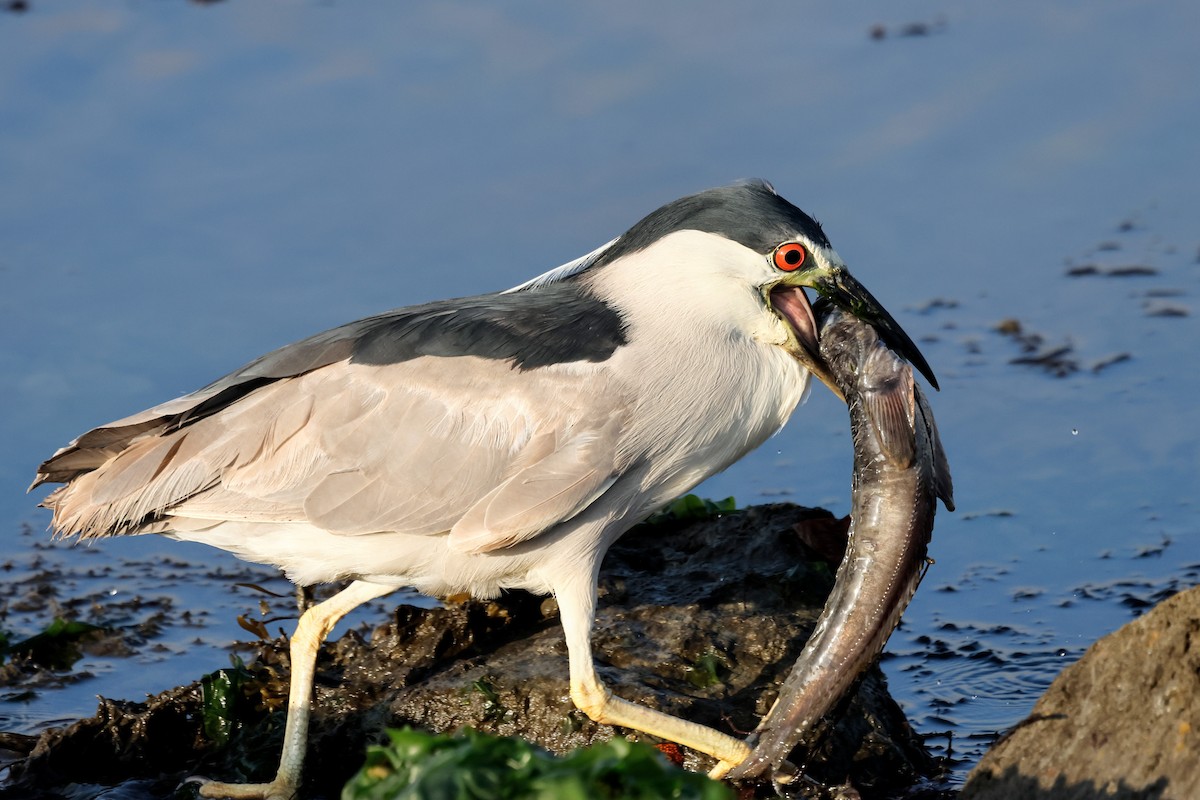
(702,620)
(1122,722)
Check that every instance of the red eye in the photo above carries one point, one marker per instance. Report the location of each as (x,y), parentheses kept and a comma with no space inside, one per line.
(789,257)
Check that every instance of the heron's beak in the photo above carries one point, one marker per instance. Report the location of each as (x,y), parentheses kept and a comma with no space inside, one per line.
(847,293)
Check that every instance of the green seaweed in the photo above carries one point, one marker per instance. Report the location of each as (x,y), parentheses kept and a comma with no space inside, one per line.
(56,647)
(707,670)
(220,693)
(691,508)
(473,766)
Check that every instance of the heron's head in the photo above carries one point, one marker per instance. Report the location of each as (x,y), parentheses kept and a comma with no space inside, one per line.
(803,261)
(747,236)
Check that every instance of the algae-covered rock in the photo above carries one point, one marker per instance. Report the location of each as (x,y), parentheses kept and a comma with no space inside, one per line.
(699,619)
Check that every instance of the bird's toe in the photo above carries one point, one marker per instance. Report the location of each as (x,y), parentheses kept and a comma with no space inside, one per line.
(276,790)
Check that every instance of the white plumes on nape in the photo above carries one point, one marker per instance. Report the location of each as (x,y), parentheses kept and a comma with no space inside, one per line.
(565,271)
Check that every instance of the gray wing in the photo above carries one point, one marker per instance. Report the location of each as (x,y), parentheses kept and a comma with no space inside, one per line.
(538,327)
(488,417)
(357,449)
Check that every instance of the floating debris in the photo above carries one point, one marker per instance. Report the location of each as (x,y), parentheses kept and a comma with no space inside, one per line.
(1153,550)
(879,31)
(1108,361)
(1137,595)
(996,512)
(1009,327)
(1127,271)
(936,304)
(1131,271)
(1160,309)
(1060,360)
(1057,360)
(918,29)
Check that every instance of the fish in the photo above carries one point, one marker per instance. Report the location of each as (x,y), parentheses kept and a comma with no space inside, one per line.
(900,472)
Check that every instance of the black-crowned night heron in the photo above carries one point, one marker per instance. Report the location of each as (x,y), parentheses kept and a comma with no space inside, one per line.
(501,441)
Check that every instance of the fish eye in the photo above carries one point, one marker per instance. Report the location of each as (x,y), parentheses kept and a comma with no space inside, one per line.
(789,256)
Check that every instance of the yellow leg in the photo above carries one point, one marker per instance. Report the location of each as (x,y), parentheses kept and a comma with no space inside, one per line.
(576,610)
(722,768)
(315,624)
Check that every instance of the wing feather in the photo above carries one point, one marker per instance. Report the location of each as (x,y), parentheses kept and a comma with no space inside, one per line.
(409,447)
(358,449)
(551,490)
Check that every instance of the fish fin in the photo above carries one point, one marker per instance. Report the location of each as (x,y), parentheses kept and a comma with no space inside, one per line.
(890,409)
(943,485)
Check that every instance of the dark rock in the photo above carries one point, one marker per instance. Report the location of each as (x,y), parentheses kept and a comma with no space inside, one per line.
(701,620)
(1122,722)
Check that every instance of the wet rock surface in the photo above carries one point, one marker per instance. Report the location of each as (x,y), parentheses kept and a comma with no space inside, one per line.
(1122,722)
(701,620)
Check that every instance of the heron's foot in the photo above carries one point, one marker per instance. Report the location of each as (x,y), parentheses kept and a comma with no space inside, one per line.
(595,700)
(275,790)
(785,773)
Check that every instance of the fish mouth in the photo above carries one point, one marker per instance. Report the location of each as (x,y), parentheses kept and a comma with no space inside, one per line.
(792,304)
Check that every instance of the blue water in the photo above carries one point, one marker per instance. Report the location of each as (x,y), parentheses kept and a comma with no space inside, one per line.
(185,186)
